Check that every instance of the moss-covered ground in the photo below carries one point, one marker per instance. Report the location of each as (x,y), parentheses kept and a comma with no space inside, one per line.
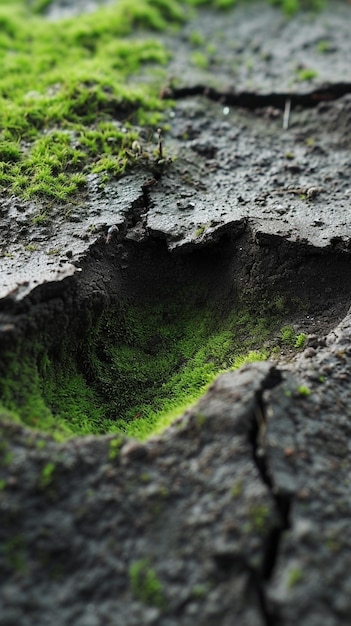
(68,103)
(138,368)
(70,106)
(66,106)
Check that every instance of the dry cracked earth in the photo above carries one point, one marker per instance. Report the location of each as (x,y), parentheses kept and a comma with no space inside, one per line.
(240,512)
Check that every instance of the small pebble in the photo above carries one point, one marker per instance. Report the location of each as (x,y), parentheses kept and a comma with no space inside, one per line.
(309,353)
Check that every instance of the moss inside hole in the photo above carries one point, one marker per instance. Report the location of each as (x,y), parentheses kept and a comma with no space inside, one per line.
(138,368)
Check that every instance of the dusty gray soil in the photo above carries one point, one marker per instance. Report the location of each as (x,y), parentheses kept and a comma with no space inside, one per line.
(257,49)
(241,510)
(292,182)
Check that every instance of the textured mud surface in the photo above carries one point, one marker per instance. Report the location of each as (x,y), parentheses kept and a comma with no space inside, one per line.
(259,50)
(238,159)
(239,513)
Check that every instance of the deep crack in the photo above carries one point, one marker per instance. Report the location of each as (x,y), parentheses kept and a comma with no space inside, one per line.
(282,501)
(251,100)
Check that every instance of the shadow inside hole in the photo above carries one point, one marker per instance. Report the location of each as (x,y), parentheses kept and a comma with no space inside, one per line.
(146,330)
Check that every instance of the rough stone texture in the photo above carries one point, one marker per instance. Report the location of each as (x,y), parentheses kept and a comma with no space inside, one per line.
(258,173)
(60,244)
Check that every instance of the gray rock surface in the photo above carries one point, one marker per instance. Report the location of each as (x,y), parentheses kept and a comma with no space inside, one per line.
(260,50)
(243,167)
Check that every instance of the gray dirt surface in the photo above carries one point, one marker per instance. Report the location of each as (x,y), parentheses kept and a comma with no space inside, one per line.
(230,164)
(62,9)
(261,463)
(192,504)
(240,512)
(292,183)
(306,443)
(257,49)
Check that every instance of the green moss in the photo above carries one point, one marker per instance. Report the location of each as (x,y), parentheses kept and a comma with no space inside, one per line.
(46,475)
(300,340)
(60,86)
(138,368)
(200,230)
(41,443)
(303,390)
(161,366)
(225,4)
(54,135)
(324,46)
(145,584)
(289,338)
(199,59)
(288,335)
(258,515)
(115,446)
(290,7)
(39,6)
(295,576)
(196,38)
(306,74)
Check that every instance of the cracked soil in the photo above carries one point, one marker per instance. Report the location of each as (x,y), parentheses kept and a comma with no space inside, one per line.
(241,509)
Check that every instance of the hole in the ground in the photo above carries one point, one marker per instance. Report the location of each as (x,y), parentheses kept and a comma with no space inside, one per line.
(142,332)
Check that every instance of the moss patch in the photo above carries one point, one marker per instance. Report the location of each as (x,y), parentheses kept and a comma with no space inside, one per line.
(68,103)
(145,584)
(137,369)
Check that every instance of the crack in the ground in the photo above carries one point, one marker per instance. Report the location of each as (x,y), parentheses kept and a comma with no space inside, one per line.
(282,501)
(136,213)
(257,577)
(251,100)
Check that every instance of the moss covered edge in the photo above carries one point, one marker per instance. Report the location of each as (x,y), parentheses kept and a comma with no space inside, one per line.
(70,101)
(138,368)
(71,105)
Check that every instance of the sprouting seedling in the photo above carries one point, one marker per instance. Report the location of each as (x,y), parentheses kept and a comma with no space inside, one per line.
(160,160)
(112,231)
(136,147)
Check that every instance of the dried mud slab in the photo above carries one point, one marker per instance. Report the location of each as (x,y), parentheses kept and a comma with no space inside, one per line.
(306,443)
(256,49)
(242,167)
(241,159)
(239,511)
